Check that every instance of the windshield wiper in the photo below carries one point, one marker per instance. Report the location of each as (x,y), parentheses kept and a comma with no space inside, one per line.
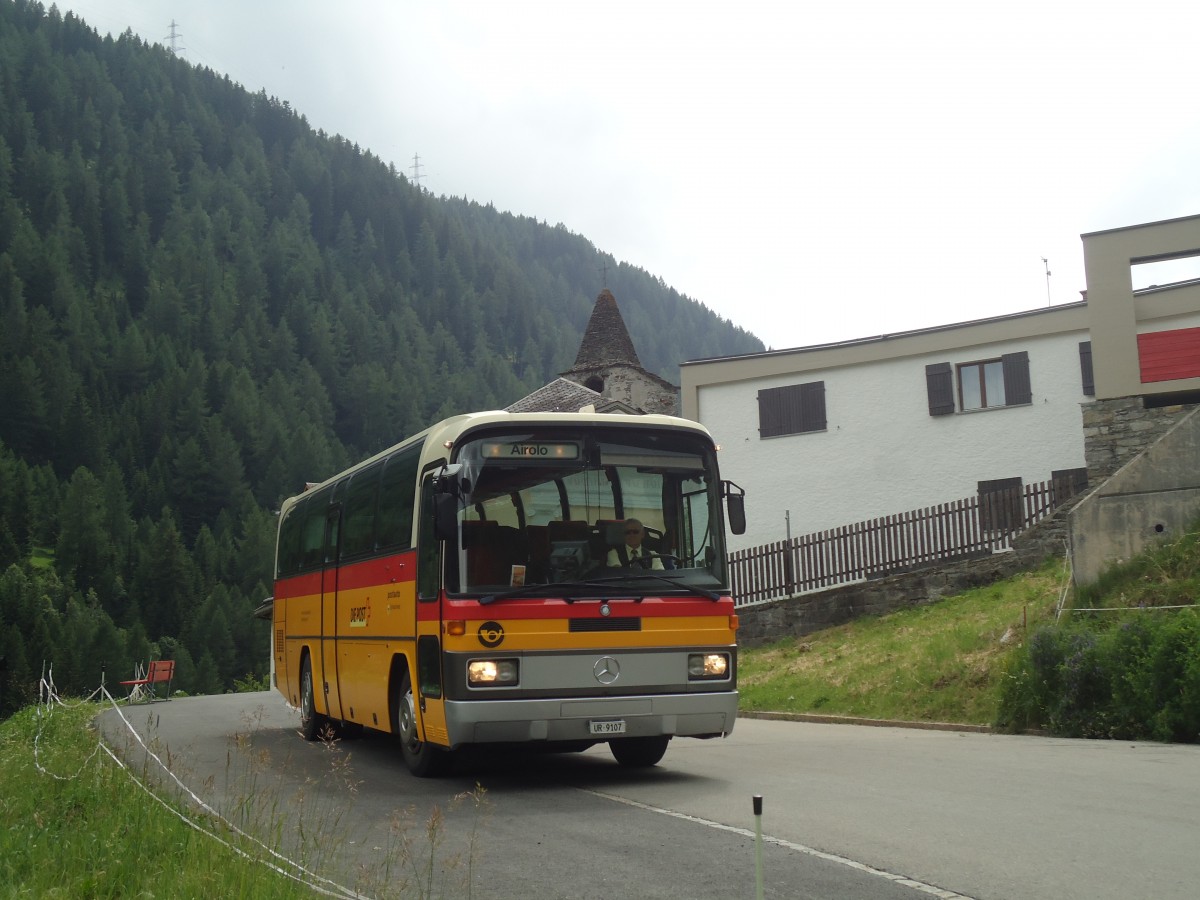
(534,589)
(624,577)
(674,582)
(600,581)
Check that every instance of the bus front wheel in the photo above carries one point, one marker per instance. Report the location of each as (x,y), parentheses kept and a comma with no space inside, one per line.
(422,760)
(639,752)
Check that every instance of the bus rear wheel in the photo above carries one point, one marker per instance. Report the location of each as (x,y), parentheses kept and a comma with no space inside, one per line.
(311,721)
(422,760)
(639,752)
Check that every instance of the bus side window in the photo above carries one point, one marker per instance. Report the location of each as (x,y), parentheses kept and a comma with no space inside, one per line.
(397,491)
(312,536)
(288,553)
(333,533)
(358,515)
(428,575)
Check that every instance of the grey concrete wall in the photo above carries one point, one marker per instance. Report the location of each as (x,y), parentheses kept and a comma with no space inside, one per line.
(806,613)
(1153,497)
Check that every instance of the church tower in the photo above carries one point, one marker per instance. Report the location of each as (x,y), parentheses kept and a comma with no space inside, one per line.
(606,375)
(608,364)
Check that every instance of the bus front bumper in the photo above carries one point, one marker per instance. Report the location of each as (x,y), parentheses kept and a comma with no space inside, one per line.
(520,721)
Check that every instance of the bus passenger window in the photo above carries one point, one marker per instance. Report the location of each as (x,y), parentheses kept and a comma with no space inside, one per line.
(289,541)
(396,493)
(359,514)
(428,549)
(312,537)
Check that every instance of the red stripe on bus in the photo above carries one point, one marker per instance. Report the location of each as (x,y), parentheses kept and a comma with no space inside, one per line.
(397,569)
(552,608)
(382,570)
(298,585)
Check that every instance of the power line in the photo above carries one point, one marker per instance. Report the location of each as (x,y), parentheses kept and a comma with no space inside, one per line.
(416,170)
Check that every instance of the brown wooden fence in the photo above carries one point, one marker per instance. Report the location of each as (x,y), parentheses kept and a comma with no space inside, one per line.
(975,526)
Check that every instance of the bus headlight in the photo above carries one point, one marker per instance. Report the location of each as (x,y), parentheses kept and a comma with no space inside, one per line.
(491,672)
(708,665)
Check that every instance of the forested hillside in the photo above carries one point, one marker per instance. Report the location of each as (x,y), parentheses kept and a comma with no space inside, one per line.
(206,302)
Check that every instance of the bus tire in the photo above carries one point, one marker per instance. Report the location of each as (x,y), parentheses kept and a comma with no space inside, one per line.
(422,759)
(311,721)
(639,752)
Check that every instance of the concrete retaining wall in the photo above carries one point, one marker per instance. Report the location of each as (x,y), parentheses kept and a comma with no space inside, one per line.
(1153,497)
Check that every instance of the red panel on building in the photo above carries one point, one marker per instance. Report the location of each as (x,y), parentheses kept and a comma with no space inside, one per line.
(1168,355)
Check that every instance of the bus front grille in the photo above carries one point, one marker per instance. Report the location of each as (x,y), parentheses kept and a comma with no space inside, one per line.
(621,623)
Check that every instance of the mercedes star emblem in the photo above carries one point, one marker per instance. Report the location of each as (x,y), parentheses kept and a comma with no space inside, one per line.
(607,670)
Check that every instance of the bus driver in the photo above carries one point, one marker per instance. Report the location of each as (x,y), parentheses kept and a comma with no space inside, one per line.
(632,553)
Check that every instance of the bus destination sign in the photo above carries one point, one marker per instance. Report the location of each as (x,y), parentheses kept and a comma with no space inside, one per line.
(539,450)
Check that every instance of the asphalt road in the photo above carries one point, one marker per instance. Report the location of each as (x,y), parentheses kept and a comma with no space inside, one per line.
(849,811)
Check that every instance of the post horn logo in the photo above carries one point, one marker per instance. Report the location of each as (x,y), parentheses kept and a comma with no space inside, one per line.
(491,634)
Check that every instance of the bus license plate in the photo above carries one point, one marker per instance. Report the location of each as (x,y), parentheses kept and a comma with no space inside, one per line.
(613,726)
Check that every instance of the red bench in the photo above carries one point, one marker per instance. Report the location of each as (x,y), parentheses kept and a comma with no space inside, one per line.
(161,671)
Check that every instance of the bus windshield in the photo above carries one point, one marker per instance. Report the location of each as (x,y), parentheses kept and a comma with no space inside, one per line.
(637,509)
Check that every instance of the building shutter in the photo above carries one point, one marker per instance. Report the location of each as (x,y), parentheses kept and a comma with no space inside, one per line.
(1016,379)
(1085,368)
(770,412)
(812,406)
(792,409)
(939,380)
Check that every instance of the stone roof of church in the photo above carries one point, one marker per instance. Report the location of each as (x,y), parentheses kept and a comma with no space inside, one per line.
(562,395)
(606,340)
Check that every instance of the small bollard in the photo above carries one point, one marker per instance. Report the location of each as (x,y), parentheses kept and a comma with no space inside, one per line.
(758,871)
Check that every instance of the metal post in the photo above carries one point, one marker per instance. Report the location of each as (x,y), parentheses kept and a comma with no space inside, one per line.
(789,569)
(758,870)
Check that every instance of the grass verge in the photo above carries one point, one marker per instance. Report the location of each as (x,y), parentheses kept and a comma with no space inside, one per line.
(78,824)
(943,662)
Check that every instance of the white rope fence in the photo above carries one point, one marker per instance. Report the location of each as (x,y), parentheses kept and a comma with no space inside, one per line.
(48,699)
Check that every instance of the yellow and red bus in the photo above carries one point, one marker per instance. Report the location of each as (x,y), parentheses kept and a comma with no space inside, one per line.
(467,586)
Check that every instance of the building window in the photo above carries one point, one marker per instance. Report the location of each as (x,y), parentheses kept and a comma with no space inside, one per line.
(985,384)
(793,409)
(981,384)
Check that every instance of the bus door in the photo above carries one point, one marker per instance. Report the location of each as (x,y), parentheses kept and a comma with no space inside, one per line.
(329,610)
(427,667)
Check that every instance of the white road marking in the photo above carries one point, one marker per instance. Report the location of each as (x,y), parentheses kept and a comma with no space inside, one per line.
(790,845)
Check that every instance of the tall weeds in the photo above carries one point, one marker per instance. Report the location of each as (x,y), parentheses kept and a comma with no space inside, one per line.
(78,824)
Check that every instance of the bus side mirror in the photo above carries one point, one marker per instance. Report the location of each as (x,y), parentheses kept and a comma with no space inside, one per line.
(446,491)
(735,503)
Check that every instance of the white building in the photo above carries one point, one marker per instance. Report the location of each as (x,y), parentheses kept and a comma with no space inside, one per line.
(828,435)
(834,434)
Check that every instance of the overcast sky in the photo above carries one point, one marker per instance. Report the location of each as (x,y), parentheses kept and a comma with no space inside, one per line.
(811,171)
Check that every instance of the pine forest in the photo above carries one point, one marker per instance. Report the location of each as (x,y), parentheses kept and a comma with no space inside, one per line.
(205,302)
